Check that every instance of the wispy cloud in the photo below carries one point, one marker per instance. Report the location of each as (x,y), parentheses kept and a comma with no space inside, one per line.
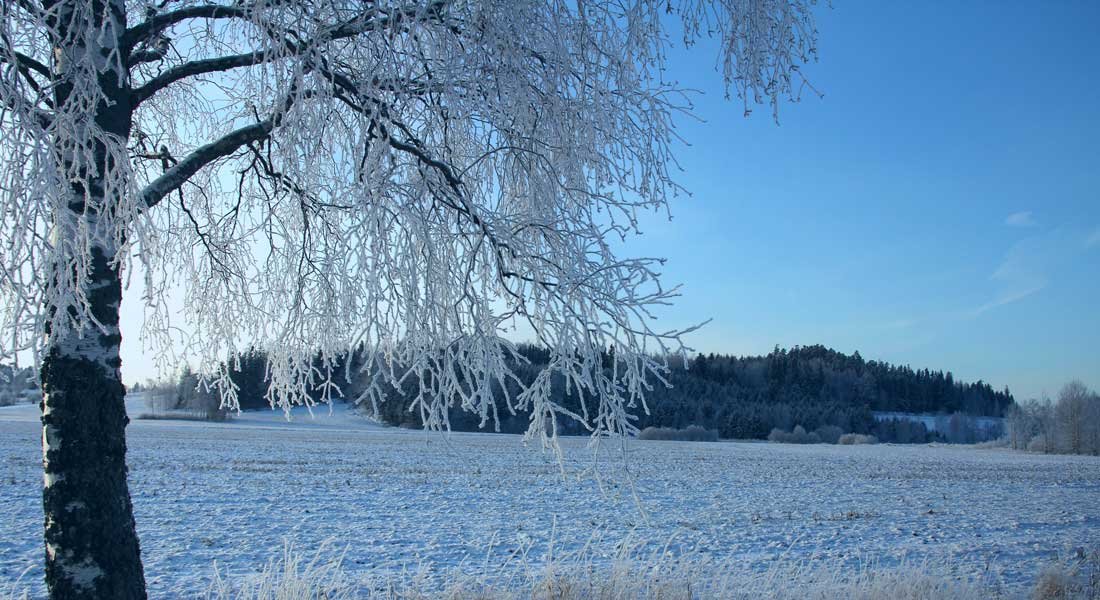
(1008,297)
(1023,218)
(1027,266)
(1021,274)
(1093,240)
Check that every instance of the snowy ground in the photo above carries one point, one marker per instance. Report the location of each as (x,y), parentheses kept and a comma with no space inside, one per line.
(233,492)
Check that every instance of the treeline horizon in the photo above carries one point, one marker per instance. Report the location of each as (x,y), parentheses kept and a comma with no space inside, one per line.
(740,397)
(746,397)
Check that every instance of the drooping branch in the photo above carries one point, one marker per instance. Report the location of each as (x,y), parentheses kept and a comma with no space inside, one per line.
(162,21)
(375,19)
(455,198)
(196,67)
(26,66)
(21,104)
(26,62)
(178,174)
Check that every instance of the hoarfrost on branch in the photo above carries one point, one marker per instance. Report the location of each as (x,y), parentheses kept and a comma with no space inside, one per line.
(408,179)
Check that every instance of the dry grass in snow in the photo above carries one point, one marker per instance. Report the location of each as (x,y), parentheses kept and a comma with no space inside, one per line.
(294,576)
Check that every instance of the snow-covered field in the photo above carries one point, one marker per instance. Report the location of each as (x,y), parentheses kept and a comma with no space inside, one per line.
(233,492)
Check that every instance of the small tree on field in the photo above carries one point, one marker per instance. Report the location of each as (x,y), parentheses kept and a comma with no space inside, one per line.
(1070,413)
(1020,426)
(410,177)
(1048,433)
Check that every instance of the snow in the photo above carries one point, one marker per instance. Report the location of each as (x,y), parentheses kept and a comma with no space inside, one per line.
(398,499)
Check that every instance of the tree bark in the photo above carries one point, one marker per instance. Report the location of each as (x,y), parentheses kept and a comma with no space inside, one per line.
(91,542)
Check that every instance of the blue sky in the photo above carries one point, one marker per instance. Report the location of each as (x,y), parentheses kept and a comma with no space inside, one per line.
(939,207)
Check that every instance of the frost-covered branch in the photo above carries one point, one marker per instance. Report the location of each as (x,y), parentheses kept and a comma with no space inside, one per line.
(182,171)
(420,182)
(374,19)
(197,67)
(158,22)
(22,61)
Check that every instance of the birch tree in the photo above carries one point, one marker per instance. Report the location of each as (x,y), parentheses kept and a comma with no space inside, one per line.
(1072,418)
(412,178)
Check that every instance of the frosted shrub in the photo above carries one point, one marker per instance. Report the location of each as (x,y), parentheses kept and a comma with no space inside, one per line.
(826,434)
(692,433)
(797,436)
(852,439)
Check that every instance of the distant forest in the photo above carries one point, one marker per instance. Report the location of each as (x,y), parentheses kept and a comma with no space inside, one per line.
(812,386)
(740,397)
(16,385)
